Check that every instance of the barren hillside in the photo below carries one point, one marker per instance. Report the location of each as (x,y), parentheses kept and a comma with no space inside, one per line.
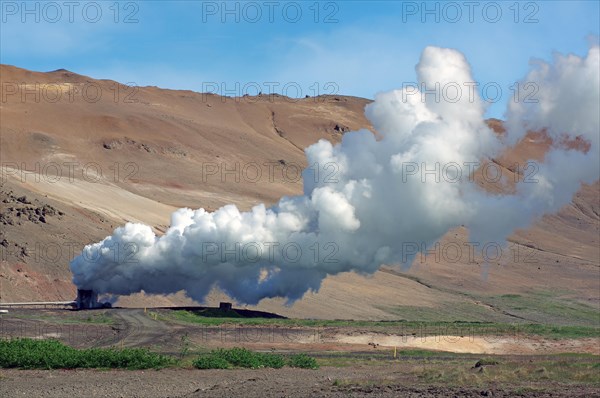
(81,156)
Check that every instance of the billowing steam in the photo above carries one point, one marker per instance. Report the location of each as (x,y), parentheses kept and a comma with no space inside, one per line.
(367,196)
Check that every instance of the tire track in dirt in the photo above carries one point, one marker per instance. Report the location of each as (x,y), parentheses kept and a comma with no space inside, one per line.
(138,329)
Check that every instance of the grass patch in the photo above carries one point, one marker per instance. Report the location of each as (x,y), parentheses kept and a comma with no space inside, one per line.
(211,361)
(538,307)
(510,372)
(548,308)
(469,370)
(217,313)
(487,362)
(243,358)
(52,354)
(101,319)
(460,310)
(302,361)
(403,327)
(422,353)
(75,319)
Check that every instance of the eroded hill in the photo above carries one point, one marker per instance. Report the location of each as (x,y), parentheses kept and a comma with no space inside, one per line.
(81,156)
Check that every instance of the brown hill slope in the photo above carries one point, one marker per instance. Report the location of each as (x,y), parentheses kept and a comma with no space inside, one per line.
(157,150)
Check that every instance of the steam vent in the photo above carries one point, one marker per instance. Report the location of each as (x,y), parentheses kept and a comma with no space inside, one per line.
(87,299)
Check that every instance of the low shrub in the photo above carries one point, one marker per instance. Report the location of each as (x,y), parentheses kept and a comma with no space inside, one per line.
(302,361)
(52,354)
(211,361)
(243,358)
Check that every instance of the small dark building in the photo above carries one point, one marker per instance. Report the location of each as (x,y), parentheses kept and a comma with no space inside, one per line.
(225,306)
(86,299)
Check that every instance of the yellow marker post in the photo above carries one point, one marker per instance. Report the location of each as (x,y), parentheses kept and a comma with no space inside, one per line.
(394,352)
(145,310)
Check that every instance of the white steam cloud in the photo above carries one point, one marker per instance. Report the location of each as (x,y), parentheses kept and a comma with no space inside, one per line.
(357,216)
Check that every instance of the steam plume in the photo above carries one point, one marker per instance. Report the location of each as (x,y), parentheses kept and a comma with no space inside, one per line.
(358,219)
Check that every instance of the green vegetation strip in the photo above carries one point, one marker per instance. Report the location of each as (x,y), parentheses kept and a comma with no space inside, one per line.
(243,358)
(403,327)
(52,354)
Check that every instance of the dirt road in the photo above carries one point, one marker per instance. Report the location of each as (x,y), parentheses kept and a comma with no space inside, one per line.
(136,328)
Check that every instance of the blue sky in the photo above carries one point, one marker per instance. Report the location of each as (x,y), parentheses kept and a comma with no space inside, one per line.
(296,48)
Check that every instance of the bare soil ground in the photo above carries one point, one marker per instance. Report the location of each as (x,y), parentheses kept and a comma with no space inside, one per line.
(391,380)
